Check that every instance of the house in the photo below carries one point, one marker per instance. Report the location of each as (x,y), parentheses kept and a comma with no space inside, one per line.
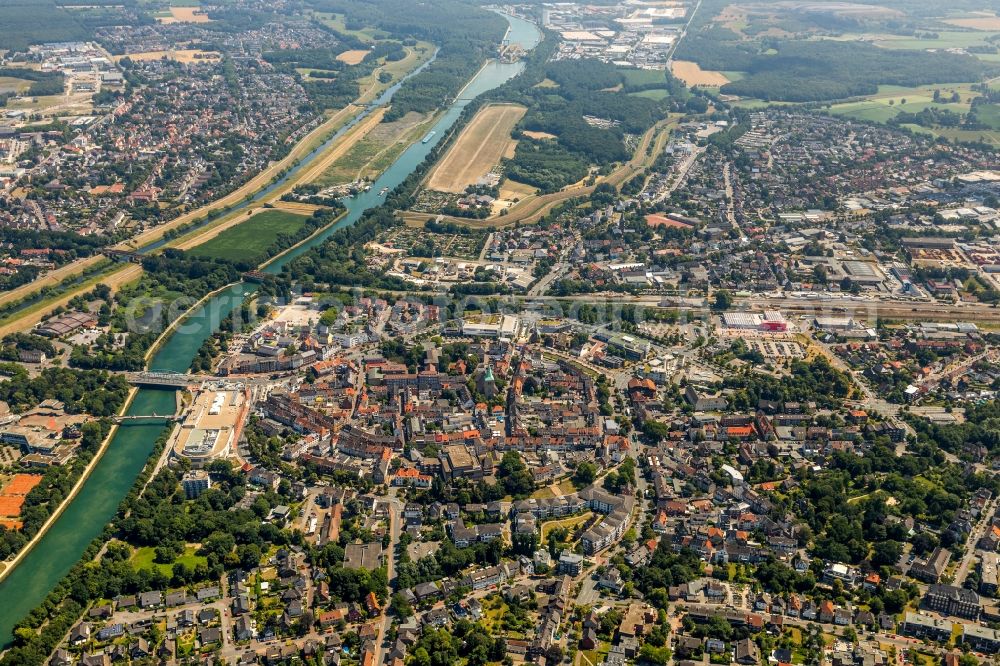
(746,652)
(151,599)
(589,639)
(930,570)
(953,600)
(139,649)
(80,634)
(61,658)
(611,580)
(210,636)
(243,628)
(925,626)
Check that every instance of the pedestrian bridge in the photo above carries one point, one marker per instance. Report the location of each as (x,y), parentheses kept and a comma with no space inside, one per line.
(146,418)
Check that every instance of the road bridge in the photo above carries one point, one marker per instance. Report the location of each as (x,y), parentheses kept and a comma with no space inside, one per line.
(168,380)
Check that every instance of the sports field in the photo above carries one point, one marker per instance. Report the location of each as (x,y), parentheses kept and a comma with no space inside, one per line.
(250,240)
(478,149)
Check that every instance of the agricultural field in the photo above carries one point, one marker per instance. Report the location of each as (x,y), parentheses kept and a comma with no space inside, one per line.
(180,55)
(642,77)
(337,22)
(984,136)
(252,238)
(352,57)
(185,14)
(693,75)
(376,151)
(977,21)
(13,84)
(946,39)
(655,94)
(892,100)
(479,148)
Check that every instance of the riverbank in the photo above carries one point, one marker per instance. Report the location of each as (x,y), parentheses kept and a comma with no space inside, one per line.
(310,147)
(130,450)
(11,565)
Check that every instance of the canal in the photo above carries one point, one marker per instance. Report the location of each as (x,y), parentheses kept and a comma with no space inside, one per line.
(115,473)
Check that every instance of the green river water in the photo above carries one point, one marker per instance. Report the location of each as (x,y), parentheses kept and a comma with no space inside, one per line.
(127,453)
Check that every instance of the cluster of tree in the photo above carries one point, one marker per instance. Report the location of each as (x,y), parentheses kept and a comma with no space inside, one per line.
(82,391)
(106,355)
(513,474)
(174,271)
(585,88)
(665,569)
(808,71)
(465,37)
(42,83)
(69,245)
(809,381)
(848,529)
(979,430)
(27,22)
(545,165)
(462,644)
(448,228)
(17,342)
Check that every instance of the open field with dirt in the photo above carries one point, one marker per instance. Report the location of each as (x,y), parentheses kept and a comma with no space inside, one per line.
(983,22)
(181,55)
(532,208)
(352,57)
(541,136)
(314,171)
(479,148)
(186,15)
(376,151)
(13,84)
(693,75)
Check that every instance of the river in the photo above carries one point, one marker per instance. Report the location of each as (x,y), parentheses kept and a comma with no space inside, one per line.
(115,473)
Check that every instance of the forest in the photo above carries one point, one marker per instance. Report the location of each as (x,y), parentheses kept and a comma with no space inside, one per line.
(819,70)
(42,83)
(27,22)
(824,70)
(584,88)
(465,36)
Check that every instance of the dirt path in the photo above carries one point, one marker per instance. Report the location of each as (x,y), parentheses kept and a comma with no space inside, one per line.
(30,317)
(256,183)
(356,133)
(532,209)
